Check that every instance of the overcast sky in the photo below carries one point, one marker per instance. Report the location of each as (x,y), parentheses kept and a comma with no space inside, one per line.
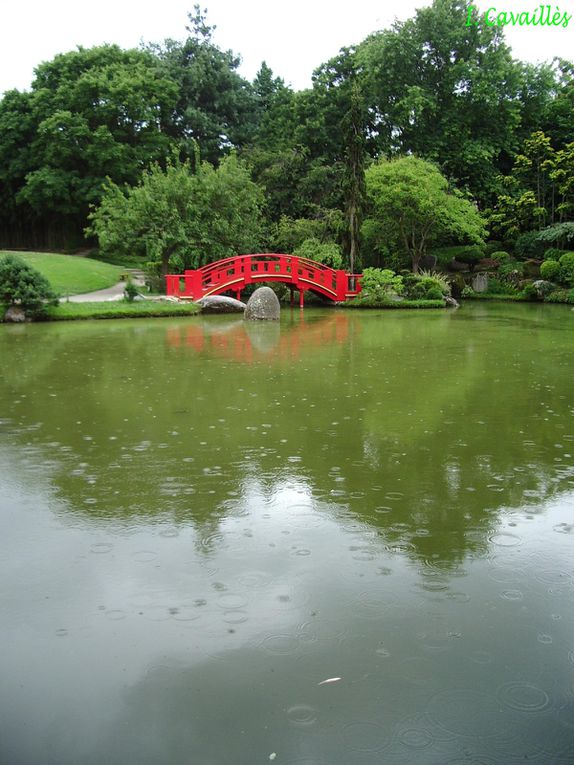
(292,36)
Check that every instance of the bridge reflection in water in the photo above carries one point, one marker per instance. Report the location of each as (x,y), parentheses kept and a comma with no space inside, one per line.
(237,340)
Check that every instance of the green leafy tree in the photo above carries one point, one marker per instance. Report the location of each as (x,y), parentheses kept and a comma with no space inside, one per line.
(538,193)
(91,113)
(557,119)
(354,175)
(176,217)
(290,234)
(274,111)
(22,285)
(215,106)
(444,91)
(328,253)
(412,203)
(379,283)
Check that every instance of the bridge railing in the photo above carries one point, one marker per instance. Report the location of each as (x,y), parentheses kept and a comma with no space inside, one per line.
(235,272)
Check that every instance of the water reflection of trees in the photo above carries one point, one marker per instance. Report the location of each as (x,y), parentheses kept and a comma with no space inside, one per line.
(421,440)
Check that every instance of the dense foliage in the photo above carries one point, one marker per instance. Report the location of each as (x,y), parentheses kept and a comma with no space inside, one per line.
(177,216)
(411,202)
(405,144)
(22,285)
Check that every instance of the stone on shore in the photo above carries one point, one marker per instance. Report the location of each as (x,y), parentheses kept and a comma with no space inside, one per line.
(263,305)
(221,304)
(15,314)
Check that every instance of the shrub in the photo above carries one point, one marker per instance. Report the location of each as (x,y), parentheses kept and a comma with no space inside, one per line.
(510,271)
(434,293)
(499,287)
(22,285)
(528,245)
(381,282)
(440,280)
(567,263)
(551,270)
(469,255)
(560,296)
(500,255)
(553,253)
(130,291)
(530,292)
(426,285)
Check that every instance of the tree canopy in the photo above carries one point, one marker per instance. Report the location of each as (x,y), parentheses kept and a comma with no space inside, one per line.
(411,201)
(180,216)
(497,130)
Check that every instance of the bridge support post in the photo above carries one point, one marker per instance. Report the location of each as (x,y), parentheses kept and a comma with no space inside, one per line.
(301,298)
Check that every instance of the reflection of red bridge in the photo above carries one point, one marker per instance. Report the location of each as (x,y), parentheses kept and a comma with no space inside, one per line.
(233,340)
(233,274)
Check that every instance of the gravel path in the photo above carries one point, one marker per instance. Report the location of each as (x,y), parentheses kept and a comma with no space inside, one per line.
(110,293)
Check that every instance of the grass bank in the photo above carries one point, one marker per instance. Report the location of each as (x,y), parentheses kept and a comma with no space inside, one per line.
(499,296)
(72,274)
(393,305)
(120,310)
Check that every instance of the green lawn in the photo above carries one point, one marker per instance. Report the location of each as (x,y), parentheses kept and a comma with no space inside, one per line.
(71,274)
(119,309)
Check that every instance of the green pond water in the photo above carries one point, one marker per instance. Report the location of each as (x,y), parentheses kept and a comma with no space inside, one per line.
(202,521)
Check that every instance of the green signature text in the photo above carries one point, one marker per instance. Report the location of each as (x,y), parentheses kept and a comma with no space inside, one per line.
(541,16)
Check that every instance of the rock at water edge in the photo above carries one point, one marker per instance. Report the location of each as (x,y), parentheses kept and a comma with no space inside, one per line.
(221,304)
(15,314)
(263,305)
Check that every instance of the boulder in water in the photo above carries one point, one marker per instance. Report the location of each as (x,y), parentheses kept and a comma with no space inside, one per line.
(263,305)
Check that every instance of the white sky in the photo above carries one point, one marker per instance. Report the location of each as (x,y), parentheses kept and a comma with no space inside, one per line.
(292,36)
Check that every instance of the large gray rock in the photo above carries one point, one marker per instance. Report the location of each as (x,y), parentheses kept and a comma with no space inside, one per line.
(479,282)
(263,305)
(15,314)
(221,304)
(543,287)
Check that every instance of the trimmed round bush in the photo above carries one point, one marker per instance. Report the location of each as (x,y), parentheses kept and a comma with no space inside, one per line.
(469,255)
(434,293)
(500,255)
(553,253)
(22,285)
(550,270)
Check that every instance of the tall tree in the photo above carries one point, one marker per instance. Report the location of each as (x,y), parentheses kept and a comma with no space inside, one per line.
(90,114)
(446,92)
(354,163)
(215,106)
(412,203)
(180,217)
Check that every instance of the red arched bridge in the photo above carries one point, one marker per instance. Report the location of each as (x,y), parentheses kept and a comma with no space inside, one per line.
(233,274)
